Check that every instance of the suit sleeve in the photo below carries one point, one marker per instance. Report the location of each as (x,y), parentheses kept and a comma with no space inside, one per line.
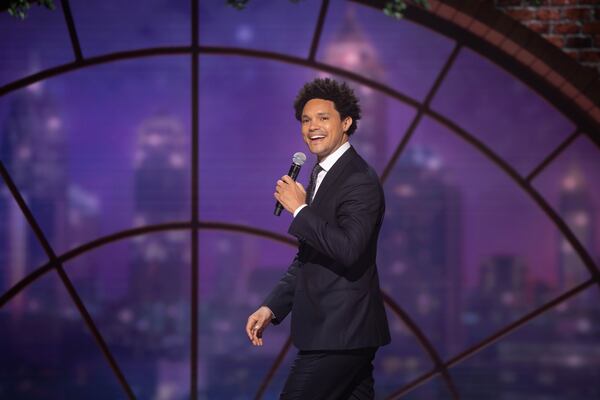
(357,216)
(281,297)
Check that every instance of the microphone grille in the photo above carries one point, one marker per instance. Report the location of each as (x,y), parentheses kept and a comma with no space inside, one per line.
(299,158)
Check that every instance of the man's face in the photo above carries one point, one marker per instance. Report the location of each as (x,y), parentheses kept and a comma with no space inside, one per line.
(322,127)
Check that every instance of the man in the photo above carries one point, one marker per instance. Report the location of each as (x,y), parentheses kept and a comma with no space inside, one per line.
(332,286)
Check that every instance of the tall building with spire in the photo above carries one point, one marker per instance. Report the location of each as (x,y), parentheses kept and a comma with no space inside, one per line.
(352,50)
(33,149)
(159,279)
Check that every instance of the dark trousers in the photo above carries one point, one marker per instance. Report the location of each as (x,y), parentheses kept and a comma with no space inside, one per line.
(331,375)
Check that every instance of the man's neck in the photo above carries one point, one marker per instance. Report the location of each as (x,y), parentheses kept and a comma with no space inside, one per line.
(321,159)
(327,162)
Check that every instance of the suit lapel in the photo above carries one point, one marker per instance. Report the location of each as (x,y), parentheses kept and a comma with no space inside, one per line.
(331,178)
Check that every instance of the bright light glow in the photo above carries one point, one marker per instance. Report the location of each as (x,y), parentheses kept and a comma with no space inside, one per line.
(125,316)
(580,219)
(176,160)
(507,298)
(244,34)
(24,153)
(54,123)
(584,325)
(574,361)
(404,190)
(154,139)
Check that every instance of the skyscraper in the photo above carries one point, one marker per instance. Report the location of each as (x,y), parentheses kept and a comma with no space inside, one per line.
(351,49)
(420,246)
(500,297)
(577,210)
(32,147)
(159,279)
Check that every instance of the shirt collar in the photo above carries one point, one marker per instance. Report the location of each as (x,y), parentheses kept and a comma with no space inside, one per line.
(331,159)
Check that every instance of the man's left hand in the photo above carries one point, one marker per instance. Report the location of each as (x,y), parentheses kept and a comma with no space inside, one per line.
(289,193)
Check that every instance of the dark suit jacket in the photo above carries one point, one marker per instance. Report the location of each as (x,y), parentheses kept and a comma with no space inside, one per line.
(332,286)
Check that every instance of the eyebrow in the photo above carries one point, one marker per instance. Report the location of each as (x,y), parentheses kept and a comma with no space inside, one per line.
(318,114)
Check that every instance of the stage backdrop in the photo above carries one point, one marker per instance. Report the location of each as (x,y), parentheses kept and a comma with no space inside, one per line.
(476,236)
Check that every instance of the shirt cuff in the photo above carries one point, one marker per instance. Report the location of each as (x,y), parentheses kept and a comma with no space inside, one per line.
(299,208)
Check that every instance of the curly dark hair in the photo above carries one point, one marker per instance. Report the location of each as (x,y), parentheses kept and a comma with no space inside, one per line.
(343,97)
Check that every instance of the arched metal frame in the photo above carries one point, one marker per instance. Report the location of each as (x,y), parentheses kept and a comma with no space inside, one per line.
(463,39)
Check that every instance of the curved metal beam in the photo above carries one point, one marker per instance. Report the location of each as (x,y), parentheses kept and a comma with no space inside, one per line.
(88,62)
(490,340)
(64,278)
(525,186)
(215,50)
(25,282)
(128,233)
(528,76)
(213,225)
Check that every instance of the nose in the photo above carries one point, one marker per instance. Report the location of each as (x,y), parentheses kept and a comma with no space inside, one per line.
(312,125)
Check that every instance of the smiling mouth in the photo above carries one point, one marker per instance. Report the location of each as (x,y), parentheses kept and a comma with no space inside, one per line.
(316,138)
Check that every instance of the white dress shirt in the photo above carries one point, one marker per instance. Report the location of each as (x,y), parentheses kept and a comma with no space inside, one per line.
(326,165)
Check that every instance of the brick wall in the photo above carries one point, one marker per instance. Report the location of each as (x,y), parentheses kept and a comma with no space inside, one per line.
(572,25)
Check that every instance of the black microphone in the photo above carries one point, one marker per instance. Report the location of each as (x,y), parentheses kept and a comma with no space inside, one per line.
(297,162)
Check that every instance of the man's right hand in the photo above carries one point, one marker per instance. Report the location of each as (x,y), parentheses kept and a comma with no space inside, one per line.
(257,323)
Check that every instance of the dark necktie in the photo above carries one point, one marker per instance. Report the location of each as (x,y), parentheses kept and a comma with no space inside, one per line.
(313,183)
(309,192)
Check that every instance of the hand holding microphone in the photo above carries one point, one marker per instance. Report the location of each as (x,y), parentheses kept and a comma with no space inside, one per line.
(288,193)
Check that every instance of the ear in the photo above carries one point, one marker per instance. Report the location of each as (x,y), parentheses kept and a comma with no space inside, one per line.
(346,123)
